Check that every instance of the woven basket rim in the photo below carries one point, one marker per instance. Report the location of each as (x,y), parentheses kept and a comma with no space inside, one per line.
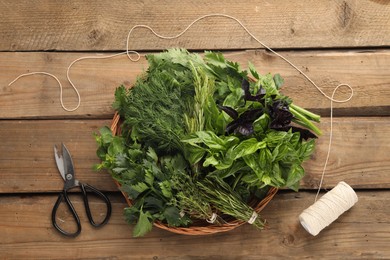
(207,228)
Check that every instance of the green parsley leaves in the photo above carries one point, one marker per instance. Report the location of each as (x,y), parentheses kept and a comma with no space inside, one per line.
(201,137)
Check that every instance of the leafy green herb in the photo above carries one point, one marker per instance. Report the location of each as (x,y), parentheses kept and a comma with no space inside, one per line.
(224,198)
(199,136)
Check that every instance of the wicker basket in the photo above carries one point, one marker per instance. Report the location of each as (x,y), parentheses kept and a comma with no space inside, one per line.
(199,227)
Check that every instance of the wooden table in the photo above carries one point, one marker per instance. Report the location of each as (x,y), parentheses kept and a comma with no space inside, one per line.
(332,41)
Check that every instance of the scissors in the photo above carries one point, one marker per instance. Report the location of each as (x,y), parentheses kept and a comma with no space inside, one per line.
(65,166)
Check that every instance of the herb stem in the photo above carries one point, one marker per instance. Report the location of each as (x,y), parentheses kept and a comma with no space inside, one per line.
(305,112)
(302,120)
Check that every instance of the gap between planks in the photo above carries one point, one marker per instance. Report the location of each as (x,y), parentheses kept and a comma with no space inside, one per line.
(359,154)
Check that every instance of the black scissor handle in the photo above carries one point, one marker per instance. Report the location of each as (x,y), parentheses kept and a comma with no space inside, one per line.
(61,197)
(85,188)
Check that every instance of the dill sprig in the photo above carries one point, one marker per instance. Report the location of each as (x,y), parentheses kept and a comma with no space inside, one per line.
(155,106)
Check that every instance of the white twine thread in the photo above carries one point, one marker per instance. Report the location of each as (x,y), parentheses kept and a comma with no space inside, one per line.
(212,219)
(328,208)
(59,84)
(253,218)
(330,140)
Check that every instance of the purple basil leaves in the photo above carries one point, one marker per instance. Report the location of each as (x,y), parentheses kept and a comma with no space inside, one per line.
(281,120)
(243,124)
(248,96)
(279,113)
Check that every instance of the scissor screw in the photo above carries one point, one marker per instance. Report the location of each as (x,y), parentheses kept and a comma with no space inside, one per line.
(69,177)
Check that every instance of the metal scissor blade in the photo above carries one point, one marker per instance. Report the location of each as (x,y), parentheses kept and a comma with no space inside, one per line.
(70,180)
(59,162)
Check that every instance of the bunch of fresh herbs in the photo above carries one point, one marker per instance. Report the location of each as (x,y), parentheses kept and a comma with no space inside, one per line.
(201,136)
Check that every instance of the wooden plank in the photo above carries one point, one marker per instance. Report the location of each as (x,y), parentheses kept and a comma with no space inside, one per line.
(103,25)
(27,159)
(359,154)
(38,96)
(362,232)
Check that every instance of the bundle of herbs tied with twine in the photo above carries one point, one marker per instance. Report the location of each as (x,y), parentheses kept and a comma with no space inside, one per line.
(203,145)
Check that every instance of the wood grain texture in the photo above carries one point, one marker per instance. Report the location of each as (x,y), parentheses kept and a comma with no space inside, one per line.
(360,150)
(38,96)
(27,157)
(103,25)
(333,41)
(360,233)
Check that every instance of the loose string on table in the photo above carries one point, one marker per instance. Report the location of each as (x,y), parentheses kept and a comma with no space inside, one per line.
(59,84)
(128,52)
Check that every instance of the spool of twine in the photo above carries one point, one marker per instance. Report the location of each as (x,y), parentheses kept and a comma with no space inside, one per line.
(328,208)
